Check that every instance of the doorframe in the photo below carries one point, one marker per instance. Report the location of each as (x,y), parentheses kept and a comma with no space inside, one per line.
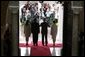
(67,30)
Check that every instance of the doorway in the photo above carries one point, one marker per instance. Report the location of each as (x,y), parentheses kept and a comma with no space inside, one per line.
(58,8)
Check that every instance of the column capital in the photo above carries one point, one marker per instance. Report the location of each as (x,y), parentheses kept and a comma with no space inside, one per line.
(14,9)
(76,10)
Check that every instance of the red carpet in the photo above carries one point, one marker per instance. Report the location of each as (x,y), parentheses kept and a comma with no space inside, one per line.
(40,51)
(40,44)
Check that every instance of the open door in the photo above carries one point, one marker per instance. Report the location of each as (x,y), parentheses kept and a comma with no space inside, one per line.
(54,12)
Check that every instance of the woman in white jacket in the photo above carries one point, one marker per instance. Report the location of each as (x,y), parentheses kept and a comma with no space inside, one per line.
(54,31)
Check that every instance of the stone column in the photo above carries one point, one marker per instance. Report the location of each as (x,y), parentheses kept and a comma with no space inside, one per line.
(75,35)
(15,36)
(4,6)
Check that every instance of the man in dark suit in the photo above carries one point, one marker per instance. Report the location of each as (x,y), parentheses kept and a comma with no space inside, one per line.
(35,31)
(44,25)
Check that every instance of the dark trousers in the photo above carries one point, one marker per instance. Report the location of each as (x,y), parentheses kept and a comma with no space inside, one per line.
(44,34)
(35,38)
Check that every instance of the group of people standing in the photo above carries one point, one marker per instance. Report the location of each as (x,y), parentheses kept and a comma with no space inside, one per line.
(33,28)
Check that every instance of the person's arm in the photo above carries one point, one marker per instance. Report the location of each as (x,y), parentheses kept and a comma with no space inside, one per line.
(38,29)
(51,30)
(30,28)
(48,25)
(24,29)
